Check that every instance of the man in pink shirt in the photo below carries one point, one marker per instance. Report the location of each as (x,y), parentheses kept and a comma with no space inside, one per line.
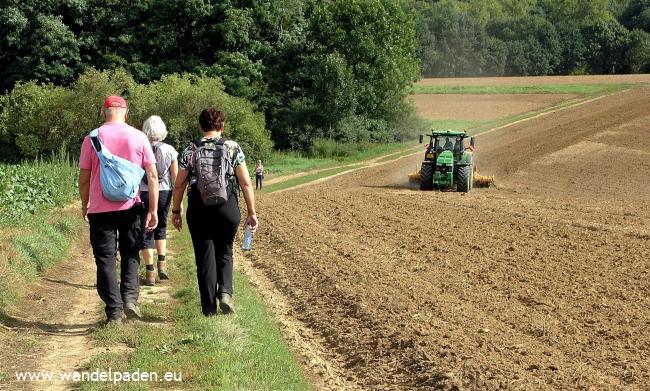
(114,224)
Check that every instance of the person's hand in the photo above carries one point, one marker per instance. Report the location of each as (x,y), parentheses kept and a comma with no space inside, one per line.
(84,213)
(177,220)
(152,221)
(252,221)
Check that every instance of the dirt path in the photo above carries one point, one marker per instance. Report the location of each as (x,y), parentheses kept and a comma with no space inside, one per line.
(57,319)
(50,330)
(540,284)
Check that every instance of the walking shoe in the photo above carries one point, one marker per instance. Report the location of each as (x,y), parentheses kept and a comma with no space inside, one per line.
(115,321)
(132,311)
(162,270)
(150,277)
(226,304)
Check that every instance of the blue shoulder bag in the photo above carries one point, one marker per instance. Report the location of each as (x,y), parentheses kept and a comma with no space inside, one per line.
(120,178)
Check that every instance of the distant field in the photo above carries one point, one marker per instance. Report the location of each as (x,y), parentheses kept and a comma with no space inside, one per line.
(534,80)
(482,107)
(470,103)
(574,89)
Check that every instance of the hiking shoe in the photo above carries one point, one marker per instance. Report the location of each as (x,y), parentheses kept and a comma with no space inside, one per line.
(116,321)
(162,270)
(226,304)
(150,277)
(132,311)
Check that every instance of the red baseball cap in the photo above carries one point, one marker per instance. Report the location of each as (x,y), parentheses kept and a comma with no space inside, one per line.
(115,101)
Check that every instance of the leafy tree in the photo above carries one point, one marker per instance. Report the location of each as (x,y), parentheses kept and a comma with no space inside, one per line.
(607,43)
(637,15)
(639,52)
(533,45)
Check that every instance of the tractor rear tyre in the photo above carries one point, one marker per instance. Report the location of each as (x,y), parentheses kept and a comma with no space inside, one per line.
(464,179)
(426,177)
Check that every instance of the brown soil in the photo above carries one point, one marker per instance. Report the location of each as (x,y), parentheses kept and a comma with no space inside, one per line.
(541,283)
(482,107)
(539,80)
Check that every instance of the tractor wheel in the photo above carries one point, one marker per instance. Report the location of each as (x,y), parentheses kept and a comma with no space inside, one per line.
(464,179)
(426,177)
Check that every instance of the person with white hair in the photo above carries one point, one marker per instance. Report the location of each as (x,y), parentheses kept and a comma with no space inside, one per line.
(167,165)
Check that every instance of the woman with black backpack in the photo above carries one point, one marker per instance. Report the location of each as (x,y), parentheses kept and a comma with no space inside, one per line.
(213,168)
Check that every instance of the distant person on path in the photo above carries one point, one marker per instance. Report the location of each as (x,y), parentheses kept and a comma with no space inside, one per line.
(213,219)
(108,219)
(167,167)
(259,175)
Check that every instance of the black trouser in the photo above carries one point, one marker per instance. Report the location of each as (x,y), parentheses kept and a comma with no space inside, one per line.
(160,233)
(104,239)
(213,230)
(258,181)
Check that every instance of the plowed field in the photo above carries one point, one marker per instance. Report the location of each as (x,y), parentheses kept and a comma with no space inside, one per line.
(540,283)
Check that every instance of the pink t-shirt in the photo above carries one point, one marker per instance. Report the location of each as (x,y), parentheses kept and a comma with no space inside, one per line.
(124,141)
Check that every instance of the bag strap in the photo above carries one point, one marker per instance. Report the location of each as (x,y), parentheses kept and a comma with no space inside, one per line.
(95,141)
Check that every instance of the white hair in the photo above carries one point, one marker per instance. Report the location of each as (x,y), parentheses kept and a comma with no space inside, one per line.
(154,128)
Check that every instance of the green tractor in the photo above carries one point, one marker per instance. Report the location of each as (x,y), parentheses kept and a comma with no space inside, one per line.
(447,162)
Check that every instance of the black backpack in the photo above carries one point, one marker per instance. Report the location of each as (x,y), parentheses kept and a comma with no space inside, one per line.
(213,170)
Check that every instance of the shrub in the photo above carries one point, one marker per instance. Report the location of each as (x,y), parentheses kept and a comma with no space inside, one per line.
(39,119)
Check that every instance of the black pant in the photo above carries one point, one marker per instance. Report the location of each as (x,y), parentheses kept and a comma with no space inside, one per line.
(213,230)
(258,181)
(104,239)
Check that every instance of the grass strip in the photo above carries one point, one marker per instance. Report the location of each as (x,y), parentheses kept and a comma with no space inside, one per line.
(31,248)
(579,89)
(224,352)
(400,154)
(309,178)
(282,163)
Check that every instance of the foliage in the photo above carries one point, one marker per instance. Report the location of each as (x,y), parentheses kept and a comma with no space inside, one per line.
(40,119)
(532,37)
(33,187)
(314,69)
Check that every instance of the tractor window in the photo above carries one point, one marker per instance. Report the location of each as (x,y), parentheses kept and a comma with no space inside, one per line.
(447,143)
(459,146)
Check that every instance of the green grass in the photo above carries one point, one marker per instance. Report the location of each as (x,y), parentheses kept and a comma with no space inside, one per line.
(34,229)
(223,352)
(406,152)
(578,89)
(308,178)
(282,163)
(40,242)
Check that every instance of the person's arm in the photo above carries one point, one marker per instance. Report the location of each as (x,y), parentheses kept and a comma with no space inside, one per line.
(180,185)
(84,191)
(173,170)
(152,183)
(247,188)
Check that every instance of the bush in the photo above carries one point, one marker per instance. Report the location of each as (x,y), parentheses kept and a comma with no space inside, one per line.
(39,119)
(329,148)
(31,187)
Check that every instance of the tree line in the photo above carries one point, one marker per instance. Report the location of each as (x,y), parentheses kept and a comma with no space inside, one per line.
(320,68)
(532,37)
(315,69)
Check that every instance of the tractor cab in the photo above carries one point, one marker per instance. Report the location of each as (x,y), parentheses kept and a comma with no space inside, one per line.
(446,141)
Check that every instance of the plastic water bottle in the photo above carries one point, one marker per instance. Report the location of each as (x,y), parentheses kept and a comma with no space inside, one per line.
(247,243)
